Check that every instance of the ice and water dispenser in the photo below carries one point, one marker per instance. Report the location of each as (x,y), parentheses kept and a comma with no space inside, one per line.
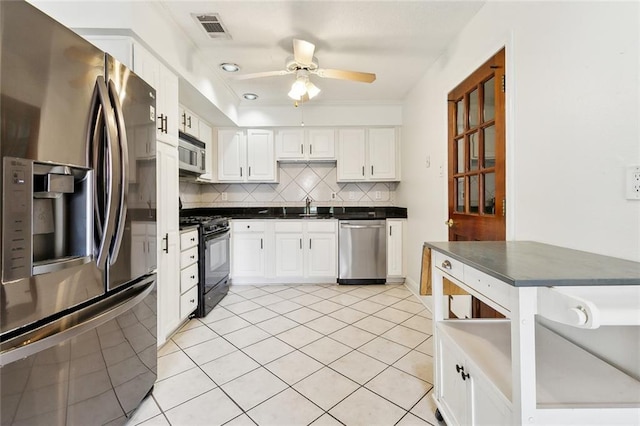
(47,217)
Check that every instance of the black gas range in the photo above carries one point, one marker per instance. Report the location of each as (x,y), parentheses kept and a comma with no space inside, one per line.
(213,259)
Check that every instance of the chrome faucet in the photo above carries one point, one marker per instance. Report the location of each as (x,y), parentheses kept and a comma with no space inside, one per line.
(307,207)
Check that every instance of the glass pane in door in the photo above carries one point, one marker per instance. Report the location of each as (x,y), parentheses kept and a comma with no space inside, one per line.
(460,166)
(489,193)
(459,194)
(474,193)
(489,104)
(490,146)
(459,116)
(474,148)
(473,109)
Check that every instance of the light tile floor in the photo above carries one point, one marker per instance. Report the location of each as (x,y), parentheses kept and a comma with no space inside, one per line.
(299,355)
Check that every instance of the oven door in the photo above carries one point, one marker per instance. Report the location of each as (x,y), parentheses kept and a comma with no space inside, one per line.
(215,271)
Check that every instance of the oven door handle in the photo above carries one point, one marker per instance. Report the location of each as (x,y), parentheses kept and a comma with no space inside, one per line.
(217,235)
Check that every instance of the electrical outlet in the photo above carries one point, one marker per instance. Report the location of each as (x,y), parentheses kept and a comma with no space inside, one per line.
(378,195)
(223,195)
(633,183)
(334,195)
(428,161)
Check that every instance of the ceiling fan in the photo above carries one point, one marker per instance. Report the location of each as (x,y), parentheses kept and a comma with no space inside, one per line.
(303,64)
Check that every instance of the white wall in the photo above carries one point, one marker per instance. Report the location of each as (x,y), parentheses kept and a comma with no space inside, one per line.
(572,126)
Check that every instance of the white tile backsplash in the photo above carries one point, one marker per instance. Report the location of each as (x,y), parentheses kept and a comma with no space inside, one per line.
(297,182)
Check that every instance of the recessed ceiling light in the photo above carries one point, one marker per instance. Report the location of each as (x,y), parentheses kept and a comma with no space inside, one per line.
(229,67)
(250,96)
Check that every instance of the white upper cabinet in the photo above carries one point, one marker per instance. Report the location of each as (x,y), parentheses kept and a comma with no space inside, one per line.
(261,164)
(305,145)
(368,155)
(246,158)
(165,82)
(231,155)
(382,154)
(189,123)
(351,155)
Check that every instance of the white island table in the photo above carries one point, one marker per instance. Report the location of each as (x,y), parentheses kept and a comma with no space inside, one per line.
(517,370)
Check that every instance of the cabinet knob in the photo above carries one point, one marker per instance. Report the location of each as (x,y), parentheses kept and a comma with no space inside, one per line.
(192,300)
(193,277)
(446,264)
(192,257)
(193,239)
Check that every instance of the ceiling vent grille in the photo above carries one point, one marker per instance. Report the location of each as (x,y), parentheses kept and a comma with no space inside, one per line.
(212,25)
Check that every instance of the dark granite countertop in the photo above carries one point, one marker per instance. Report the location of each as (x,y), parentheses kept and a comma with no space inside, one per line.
(529,264)
(296,212)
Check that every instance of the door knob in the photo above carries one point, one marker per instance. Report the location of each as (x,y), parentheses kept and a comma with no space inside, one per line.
(449,223)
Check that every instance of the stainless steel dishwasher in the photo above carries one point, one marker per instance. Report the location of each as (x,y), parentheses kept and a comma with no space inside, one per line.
(362,247)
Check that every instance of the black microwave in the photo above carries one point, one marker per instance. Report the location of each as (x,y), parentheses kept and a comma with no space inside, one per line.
(191,155)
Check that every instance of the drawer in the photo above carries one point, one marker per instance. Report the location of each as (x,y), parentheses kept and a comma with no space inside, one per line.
(288,226)
(247,226)
(188,277)
(449,265)
(188,302)
(188,239)
(188,257)
(490,287)
(322,225)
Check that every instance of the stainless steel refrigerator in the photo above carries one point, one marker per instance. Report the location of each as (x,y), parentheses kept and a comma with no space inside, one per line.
(77,304)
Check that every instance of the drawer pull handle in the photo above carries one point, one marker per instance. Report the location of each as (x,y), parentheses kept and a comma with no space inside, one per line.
(446,264)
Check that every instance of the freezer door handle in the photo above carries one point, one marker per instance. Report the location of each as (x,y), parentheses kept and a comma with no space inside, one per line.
(103,158)
(76,323)
(123,146)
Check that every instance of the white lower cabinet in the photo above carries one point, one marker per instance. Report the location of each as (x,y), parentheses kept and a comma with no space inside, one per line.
(395,250)
(188,272)
(283,251)
(306,249)
(468,398)
(248,249)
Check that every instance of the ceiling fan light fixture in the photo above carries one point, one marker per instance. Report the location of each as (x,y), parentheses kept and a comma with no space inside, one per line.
(312,90)
(230,67)
(298,88)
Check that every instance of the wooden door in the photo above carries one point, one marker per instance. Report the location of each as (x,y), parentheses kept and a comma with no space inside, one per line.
(476,125)
(477,155)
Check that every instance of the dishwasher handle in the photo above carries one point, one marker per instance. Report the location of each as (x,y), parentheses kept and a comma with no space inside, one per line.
(349,226)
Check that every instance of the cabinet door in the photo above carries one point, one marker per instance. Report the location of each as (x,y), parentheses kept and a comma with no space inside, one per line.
(167,106)
(488,409)
(248,254)
(382,154)
(394,248)
(290,144)
(231,156)
(453,392)
(322,144)
(207,138)
(289,255)
(351,155)
(261,160)
(189,122)
(169,238)
(322,255)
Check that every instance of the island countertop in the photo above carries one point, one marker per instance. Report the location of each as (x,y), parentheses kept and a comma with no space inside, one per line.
(528,263)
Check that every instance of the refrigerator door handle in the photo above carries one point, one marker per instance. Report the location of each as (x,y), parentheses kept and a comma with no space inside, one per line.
(75,324)
(106,227)
(124,168)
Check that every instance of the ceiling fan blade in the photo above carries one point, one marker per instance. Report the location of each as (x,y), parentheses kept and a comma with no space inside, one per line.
(259,75)
(364,77)
(303,51)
